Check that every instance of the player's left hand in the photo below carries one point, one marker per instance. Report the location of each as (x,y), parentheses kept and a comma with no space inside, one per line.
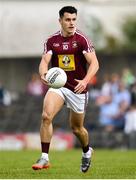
(80,86)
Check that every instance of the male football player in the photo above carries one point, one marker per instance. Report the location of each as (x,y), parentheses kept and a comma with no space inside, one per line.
(70,50)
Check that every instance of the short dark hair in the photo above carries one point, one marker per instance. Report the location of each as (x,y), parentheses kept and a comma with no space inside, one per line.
(68,9)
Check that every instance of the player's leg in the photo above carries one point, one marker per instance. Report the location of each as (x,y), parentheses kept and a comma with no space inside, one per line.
(76,122)
(51,105)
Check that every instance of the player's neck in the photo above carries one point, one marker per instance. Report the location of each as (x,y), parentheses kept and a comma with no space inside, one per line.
(65,34)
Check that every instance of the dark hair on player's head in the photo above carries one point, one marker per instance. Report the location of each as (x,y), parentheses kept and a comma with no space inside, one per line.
(68,9)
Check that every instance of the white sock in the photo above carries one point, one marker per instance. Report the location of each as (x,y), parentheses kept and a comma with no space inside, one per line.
(45,156)
(88,153)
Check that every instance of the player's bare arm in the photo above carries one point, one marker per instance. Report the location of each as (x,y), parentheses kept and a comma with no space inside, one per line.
(92,69)
(43,67)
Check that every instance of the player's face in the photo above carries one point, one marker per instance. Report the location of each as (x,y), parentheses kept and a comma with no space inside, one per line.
(68,24)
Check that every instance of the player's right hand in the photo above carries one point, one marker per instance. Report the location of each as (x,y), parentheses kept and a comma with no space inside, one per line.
(43,79)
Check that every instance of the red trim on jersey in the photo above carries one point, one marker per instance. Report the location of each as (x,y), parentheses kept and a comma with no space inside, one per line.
(45,44)
(89,43)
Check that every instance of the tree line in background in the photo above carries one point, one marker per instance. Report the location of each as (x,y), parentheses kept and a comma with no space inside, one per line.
(109,43)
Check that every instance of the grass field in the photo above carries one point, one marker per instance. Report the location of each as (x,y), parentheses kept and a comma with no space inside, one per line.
(107,164)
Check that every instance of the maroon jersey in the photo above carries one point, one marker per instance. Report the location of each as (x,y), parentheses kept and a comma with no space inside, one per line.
(68,54)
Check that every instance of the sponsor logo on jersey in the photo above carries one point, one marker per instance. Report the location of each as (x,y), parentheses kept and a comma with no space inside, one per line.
(67,62)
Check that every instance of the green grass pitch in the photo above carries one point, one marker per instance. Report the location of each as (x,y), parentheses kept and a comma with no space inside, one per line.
(106,164)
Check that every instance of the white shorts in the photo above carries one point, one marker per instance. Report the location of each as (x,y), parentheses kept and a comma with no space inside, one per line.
(76,102)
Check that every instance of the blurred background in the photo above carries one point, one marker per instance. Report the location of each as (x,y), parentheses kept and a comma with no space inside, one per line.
(111,112)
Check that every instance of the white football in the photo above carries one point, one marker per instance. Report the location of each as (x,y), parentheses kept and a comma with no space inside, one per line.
(56,77)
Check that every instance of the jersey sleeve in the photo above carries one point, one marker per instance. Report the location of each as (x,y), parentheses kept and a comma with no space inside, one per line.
(87,45)
(47,47)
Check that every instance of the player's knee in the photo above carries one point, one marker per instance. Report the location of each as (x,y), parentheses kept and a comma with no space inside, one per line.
(46,118)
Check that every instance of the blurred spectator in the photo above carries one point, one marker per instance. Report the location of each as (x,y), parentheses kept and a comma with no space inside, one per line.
(130,119)
(106,86)
(115,79)
(105,92)
(35,87)
(5,96)
(133,95)
(1,94)
(127,77)
(93,88)
(122,100)
(107,110)
(113,108)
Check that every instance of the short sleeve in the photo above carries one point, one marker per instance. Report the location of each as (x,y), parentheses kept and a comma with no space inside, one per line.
(47,47)
(87,45)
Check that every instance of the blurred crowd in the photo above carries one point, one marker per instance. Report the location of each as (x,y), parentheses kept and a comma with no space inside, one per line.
(116,100)
(5,96)
(115,97)
(34,87)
